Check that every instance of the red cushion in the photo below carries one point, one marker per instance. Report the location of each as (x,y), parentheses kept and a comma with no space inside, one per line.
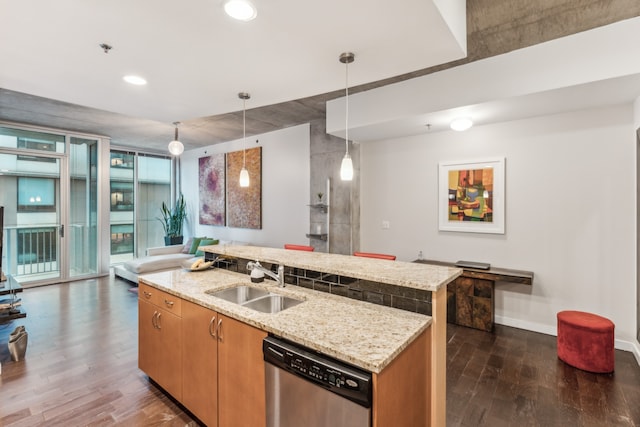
(373,255)
(299,247)
(586,341)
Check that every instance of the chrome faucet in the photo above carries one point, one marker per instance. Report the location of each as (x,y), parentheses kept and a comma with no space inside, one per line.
(277,277)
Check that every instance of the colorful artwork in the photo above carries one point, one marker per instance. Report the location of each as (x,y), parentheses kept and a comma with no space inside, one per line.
(245,203)
(472,196)
(212,189)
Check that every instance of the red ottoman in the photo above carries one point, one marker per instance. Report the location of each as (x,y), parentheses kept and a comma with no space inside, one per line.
(585,341)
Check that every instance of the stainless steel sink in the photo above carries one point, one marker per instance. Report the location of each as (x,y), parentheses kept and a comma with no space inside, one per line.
(272,303)
(255,298)
(239,294)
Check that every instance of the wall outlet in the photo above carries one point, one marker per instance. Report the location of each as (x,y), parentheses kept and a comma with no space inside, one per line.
(386,225)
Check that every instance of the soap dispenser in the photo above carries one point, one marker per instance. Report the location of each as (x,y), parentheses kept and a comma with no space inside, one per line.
(257,276)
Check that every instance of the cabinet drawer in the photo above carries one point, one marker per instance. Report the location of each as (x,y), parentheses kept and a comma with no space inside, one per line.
(161,299)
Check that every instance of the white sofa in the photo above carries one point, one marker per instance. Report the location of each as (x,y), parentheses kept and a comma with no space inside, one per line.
(158,259)
(161,258)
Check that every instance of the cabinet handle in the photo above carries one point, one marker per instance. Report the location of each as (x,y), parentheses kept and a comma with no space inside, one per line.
(147,295)
(158,321)
(212,327)
(168,303)
(220,337)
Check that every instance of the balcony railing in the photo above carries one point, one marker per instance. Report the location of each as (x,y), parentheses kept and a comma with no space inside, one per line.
(29,250)
(33,252)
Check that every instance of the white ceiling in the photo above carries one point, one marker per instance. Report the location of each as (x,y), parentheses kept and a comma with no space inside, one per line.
(590,69)
(196,59)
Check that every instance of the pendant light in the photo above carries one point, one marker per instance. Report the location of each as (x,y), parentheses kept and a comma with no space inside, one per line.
(175,147)
(346,168)
(244,173)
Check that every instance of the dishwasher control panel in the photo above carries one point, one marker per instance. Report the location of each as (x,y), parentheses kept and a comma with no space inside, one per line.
(332,374)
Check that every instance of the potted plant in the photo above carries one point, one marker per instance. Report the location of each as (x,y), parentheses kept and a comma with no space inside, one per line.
(172,220)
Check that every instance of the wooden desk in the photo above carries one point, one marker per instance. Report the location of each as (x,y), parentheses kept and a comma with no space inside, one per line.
(470,298)
(8,289)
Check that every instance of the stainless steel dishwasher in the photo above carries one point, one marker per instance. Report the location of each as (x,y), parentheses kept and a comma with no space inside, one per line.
(304,388)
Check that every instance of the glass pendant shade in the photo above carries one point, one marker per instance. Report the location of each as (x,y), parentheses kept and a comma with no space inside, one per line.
(244,177)
(176,148)
(346,168)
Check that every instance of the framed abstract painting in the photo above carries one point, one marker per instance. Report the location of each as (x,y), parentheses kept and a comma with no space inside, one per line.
(244,204)
(471,196)
(211,186)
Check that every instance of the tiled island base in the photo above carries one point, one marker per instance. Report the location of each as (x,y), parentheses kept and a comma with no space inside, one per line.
(409,299)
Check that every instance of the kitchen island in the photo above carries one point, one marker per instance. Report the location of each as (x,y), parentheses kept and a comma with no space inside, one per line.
(395,345)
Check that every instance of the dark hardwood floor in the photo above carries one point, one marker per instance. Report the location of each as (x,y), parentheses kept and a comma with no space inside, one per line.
(81,369)
(513,377)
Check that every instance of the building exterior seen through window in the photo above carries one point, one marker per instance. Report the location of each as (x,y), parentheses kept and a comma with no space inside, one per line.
(139,183)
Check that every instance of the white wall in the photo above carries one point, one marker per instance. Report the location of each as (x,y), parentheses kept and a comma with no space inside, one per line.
(285,188)
(570,211)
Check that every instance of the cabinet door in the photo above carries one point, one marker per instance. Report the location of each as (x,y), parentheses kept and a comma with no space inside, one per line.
(160,347)
(170,353)
(148,339)
(200,362)
(241,389)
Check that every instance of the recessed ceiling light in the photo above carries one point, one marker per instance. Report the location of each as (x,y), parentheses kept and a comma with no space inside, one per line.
(242,10)
(135,80)
(461,124)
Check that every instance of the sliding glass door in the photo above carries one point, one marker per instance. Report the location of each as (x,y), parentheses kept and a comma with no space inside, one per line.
(49,191)
(30,176)
(83,207)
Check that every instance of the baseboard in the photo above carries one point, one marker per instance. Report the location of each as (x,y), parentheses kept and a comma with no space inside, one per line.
(636,351)
(528,326)
(633,347)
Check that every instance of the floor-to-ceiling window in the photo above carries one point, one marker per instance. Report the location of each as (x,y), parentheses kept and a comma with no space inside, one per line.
(139,183)
(83,212)
(48,187)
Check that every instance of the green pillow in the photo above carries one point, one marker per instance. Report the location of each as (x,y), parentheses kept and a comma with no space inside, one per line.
(206,242)
(194,244)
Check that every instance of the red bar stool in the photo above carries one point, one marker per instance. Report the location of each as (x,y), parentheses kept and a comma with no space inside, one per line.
(299,247)
(374,255)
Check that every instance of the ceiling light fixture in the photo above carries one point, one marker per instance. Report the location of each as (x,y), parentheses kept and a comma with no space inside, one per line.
(346,168)
(242,10)
(176,147)
(135,80)
(461,124)
(244,173)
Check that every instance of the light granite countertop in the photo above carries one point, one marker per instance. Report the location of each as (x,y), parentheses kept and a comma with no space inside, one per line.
(408,274)
(363,334)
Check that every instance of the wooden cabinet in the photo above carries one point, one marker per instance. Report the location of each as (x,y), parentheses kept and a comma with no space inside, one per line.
(241,389)
(200,362)
(160,338)
(210,363)
(402,391)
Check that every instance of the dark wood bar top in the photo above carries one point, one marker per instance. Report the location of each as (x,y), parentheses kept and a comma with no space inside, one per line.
(494,273)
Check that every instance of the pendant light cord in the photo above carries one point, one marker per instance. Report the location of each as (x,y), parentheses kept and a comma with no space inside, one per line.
(346,115)
(244,133)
